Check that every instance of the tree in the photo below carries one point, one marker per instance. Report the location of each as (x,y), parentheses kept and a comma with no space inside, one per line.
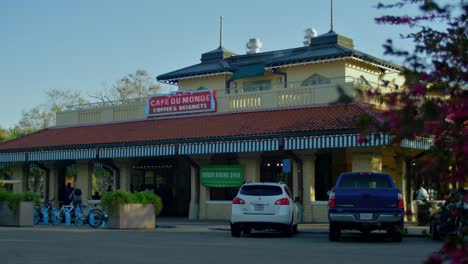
(43,116)
(134,87)
(434,100)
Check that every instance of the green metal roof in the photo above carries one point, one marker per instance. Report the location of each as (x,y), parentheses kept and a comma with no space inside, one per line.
(324,47)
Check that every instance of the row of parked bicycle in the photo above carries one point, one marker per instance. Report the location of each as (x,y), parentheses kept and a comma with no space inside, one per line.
(69,214)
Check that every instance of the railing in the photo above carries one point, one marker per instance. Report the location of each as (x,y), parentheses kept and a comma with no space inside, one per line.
(278,95)
(301,84)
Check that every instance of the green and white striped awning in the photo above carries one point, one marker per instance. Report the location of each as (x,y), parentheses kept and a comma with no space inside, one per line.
(72,154)
(333,141)
(12,157)
(418,143)
(139,151)
(229,146)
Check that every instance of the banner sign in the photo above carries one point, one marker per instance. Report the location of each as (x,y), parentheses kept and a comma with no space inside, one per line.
(181,102)
(222,175)
(286,166)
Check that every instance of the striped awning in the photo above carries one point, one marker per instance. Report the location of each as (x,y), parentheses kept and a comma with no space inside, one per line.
(75,154)
(12,157)
(139,151)
(229,146)
(334,141)
(418,143)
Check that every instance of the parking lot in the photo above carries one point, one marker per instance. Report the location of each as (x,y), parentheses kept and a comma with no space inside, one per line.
(203,242)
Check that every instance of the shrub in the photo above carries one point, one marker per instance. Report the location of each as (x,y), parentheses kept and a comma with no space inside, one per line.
(14,199)
(111,201)
(150,198)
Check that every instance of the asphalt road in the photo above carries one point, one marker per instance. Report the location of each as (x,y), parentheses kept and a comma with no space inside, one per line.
(69,245)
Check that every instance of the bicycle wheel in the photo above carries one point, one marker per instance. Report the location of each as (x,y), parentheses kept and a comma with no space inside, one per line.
(95,218)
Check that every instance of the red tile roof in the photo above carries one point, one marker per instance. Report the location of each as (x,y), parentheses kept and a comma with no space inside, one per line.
(209,126)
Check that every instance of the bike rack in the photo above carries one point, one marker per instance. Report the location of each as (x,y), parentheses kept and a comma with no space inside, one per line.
(67,213)
(45,215)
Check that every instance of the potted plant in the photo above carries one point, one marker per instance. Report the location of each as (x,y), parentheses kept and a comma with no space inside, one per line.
(16,209)
(131,210)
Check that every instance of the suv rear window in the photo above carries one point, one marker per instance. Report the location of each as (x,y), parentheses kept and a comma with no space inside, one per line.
(365,181)
(261,190)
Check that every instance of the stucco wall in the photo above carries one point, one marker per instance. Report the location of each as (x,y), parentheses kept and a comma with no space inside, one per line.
(216,82)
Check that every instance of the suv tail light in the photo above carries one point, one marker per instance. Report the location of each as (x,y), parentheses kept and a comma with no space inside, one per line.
(238,200)
(282,201)
(331,200)
(400,201)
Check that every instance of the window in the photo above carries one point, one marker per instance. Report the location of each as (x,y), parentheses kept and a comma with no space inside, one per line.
(257,86)
(315,79)
(223,194)
(261,190)
(354,181)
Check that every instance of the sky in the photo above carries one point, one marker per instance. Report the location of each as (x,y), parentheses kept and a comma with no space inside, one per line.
(88,45)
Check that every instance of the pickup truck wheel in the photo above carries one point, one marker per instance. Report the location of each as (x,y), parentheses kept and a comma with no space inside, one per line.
(235,230)
(334,232)
(396,235)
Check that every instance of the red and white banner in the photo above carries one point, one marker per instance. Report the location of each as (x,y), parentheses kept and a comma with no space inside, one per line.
(182,102)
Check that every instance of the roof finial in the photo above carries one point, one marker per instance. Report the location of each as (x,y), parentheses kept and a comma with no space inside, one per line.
(221,31)
(331,15)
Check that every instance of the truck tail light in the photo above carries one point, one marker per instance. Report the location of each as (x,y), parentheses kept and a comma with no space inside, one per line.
(400,201)
(331,200)
(238,200)
(282,201)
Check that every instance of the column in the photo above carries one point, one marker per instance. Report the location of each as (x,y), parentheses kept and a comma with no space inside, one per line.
(125,170)
(83,179)
(308,171)
(20,173)
(194,211)
(252,167)
(54,171)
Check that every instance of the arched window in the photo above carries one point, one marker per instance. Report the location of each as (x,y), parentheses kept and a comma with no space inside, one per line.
(315,79)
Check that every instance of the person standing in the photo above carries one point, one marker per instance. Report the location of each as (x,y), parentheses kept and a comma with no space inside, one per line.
(422,194)
(67,194)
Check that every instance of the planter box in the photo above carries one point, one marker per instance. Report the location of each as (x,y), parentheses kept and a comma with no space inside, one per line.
(23,216)
(134,216)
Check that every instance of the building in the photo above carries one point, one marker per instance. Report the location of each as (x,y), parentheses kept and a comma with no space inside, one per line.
(261,116)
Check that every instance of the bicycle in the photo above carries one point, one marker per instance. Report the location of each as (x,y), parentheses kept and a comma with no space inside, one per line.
(44,212)
(96,216)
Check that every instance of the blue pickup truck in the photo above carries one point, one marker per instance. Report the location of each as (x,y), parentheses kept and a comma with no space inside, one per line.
(365,201)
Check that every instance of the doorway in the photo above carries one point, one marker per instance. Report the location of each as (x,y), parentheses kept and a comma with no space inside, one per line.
(272,171)
(170,179)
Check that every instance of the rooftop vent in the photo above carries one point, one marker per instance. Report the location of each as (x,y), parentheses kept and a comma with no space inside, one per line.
(308,35)
(253,46)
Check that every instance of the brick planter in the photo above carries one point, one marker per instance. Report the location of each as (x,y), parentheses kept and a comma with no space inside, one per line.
(22,217)
(133,216)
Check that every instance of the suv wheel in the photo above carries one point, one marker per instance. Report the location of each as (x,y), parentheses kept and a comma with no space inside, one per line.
(235,230)
(334,232)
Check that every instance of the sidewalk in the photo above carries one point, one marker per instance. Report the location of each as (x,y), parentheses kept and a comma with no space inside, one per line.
(411,229)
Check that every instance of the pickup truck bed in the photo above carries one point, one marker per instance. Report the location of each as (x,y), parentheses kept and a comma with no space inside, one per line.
(365,201)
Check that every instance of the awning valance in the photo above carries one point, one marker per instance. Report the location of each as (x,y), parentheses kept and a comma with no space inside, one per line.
(229,146)
(249,71)
(139,151)
(333,141)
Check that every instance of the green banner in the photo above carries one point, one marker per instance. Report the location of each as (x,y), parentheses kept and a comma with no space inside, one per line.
(222,175)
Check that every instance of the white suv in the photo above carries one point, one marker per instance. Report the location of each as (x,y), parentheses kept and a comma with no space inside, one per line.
(263,206)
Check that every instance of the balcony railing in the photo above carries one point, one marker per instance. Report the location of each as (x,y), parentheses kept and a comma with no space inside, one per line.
(276,95)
